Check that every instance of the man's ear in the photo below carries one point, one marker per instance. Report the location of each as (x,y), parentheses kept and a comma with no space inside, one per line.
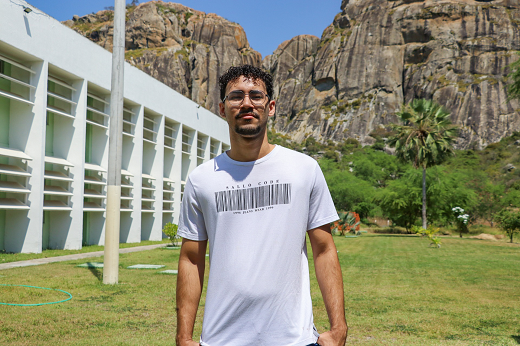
(272,108)
(222,110)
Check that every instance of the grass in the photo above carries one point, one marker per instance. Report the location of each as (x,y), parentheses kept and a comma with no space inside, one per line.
(397,290)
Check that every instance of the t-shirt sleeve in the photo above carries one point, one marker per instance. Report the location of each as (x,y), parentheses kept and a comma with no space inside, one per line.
(321,206)
(191,219)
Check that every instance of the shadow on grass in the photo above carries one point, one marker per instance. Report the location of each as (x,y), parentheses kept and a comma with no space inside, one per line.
(516,338)
(97,273)
(390,235)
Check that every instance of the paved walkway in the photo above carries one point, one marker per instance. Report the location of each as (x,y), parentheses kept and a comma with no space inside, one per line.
(38,261)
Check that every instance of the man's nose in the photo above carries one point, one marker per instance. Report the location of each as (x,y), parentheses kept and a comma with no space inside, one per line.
(247,101)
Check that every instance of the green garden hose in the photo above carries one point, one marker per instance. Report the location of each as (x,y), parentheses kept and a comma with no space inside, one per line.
(43,288)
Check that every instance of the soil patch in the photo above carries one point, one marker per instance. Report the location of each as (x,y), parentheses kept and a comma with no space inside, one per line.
(484,236)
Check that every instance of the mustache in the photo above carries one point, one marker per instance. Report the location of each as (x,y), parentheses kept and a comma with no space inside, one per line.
(248,112)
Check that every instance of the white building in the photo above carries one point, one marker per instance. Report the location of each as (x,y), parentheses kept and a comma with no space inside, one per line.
(54,112)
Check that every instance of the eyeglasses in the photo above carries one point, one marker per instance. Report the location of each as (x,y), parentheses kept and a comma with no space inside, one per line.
(235,98)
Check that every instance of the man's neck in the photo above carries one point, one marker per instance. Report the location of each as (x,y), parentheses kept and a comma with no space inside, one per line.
(246,149)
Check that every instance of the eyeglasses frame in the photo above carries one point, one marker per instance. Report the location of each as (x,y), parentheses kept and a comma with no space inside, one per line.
(246,94)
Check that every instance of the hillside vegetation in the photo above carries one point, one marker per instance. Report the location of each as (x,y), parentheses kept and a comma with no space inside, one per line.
(371,181)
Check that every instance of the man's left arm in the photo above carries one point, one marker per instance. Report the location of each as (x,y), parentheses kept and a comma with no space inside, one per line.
(330,280)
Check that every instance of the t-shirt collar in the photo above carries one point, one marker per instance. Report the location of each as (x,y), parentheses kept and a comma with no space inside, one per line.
(229,160)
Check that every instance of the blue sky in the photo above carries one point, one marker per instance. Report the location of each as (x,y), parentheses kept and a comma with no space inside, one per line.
(267,23)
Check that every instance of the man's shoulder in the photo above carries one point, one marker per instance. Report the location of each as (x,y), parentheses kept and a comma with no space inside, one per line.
(297,156)
(202,171)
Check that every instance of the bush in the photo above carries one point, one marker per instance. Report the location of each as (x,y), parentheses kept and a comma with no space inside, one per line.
(378,145)
(331,155)
(390,230)
(509,221)
(367,222)
(170,229)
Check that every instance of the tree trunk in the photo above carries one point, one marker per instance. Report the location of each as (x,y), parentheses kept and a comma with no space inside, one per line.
(424,221)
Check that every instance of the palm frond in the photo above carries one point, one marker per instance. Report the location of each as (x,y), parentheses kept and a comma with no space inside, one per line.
(426,135)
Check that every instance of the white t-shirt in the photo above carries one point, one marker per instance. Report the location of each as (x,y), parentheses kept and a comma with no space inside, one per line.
(255,216)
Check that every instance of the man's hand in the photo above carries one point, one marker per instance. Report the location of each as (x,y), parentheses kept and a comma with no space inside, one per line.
(187,343)
(333,338)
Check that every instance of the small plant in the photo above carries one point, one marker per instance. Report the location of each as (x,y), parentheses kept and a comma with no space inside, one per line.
(348,222)
(430,233)
(170,229)
(461,220)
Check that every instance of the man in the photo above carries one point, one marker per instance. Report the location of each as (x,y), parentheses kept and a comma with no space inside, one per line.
(255,204)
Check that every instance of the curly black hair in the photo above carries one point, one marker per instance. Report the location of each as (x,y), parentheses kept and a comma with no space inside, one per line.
(249,72)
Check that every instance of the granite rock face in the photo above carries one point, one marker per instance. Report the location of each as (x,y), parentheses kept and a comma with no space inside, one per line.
(375,56)
(378,54)
(183,48)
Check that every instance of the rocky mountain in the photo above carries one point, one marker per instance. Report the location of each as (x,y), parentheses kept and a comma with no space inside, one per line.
(376,55)
(183,48)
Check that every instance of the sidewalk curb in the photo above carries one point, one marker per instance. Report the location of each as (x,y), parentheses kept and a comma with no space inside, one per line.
(38,261)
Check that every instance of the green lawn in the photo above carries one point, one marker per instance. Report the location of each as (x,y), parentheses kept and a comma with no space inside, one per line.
(397,290)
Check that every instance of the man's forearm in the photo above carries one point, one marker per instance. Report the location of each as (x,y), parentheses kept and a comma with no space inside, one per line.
(189,288)
(330,280)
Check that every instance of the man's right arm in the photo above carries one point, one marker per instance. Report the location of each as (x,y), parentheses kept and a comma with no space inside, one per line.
(190,279)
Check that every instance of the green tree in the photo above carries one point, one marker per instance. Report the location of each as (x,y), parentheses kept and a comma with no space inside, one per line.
(512,198)
(424,138)
(446,190)
(509,221)
(367,170)
(490,197)
(346,189)
(364,209)
(400,201)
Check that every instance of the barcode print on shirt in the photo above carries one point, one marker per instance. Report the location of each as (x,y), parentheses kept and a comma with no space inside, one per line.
(252,198)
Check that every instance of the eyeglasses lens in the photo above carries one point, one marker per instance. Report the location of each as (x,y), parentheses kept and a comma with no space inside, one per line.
(237,97)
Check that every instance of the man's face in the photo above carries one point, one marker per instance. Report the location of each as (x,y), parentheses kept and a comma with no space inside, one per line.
(247,119)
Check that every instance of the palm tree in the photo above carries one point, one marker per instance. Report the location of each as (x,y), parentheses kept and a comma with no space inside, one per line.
(425,138)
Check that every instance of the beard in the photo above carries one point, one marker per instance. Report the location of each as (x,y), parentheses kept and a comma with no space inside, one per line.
(248,130)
